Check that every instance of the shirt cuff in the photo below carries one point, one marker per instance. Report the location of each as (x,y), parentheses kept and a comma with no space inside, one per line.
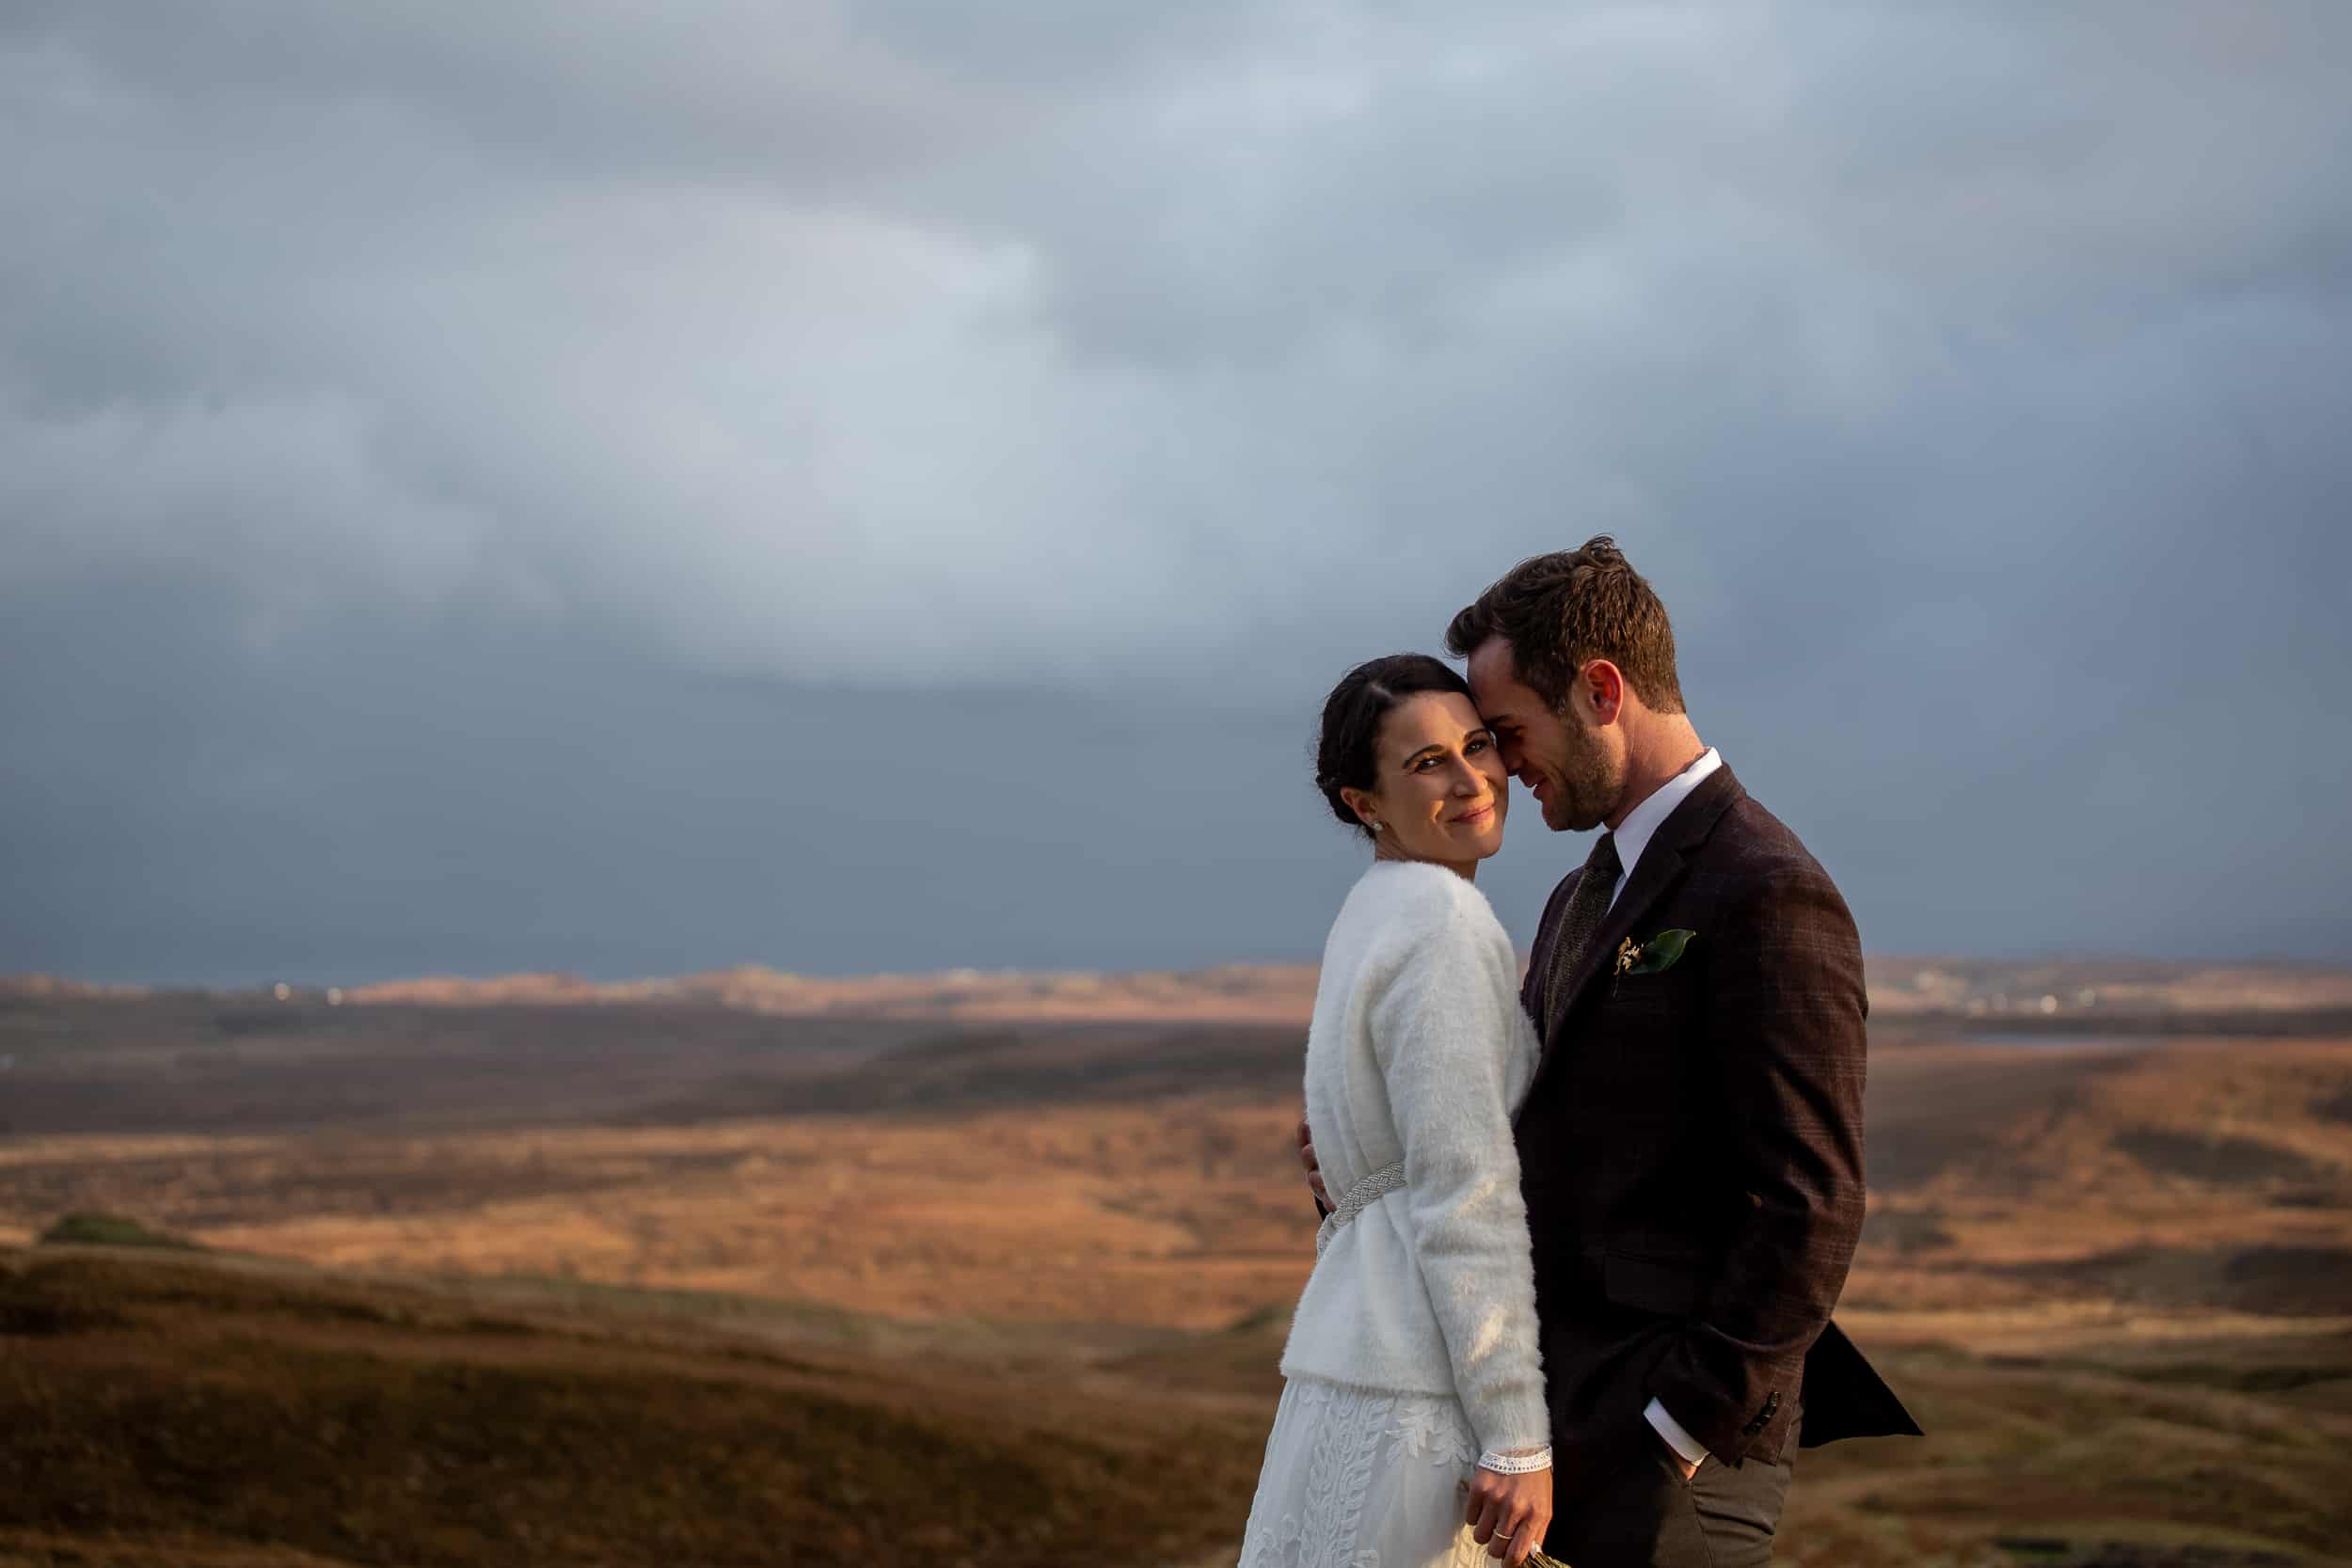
(1690,1448)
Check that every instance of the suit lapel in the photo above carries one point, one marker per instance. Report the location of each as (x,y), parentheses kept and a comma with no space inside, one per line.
(1661,864)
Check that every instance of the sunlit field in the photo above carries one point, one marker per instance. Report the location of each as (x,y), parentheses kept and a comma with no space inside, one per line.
(683,1281)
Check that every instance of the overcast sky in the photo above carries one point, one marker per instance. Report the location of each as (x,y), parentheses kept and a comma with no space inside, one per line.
(632,488)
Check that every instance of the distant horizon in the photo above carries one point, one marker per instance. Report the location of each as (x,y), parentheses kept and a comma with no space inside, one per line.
(312,981)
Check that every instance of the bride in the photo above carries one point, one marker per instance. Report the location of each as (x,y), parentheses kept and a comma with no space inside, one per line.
(1412,1428)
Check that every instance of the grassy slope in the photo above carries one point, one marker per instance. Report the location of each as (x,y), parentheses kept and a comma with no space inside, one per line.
(185,1409)
(164,1409)
(2147,1264)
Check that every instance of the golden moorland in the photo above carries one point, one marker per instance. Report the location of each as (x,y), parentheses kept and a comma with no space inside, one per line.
(994,1269)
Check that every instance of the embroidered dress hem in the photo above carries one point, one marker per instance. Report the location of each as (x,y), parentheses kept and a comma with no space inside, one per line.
(1363,1478)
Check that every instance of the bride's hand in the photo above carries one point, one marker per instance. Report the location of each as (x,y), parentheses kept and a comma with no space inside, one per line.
(1508,1514)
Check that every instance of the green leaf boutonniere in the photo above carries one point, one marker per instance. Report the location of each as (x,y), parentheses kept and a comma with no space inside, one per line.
(1661,953)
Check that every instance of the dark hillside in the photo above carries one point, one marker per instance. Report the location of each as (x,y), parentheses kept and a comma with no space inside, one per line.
(184,1410)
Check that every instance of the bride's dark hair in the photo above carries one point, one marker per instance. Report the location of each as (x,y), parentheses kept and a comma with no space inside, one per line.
(1345,756)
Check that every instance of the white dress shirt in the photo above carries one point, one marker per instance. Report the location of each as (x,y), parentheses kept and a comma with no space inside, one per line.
(1639,825)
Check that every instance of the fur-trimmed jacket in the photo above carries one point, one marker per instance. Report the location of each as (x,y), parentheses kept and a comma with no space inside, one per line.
(1420,1050)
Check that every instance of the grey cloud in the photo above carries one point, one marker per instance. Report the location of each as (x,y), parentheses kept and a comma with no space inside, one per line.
(1192,304)
(387,797)
(1969,378)
(783,98)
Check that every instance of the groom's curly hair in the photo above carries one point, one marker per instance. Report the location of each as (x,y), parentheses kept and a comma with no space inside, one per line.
(1560,612)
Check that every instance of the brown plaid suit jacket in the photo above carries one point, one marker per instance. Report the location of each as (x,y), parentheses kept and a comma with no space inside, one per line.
(1691,1150)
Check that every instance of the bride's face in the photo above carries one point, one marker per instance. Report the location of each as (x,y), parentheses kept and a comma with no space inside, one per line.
(1438,785)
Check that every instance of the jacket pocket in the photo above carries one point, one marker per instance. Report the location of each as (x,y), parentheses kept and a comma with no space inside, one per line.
(1659,1285)
(1654,992)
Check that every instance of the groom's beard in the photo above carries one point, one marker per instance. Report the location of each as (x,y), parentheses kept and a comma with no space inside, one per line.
(1582,789)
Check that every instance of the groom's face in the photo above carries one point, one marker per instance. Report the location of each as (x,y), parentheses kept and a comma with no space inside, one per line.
(1563,758)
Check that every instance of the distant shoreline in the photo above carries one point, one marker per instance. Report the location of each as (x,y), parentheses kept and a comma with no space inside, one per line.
(1911,998)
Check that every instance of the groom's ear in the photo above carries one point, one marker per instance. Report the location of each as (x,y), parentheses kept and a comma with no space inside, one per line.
(1602,686)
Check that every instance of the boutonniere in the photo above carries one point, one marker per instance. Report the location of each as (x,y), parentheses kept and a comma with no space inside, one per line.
(1661,953)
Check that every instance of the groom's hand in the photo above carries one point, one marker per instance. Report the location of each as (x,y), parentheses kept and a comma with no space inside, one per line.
(1673,1455)
(1307,1158)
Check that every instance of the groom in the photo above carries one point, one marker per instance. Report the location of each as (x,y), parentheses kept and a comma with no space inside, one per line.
(1691,1147)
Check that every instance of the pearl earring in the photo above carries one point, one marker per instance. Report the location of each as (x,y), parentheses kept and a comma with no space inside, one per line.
(1379,826)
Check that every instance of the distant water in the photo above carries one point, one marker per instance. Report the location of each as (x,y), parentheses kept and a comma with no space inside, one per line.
(2056,1040)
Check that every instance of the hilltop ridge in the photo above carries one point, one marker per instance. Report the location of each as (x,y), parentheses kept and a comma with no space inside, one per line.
(2029,993)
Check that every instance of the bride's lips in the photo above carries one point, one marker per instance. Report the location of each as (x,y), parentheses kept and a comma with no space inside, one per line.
(1481,814)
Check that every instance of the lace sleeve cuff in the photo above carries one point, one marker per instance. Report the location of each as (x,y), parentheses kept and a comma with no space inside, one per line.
(1515,1464)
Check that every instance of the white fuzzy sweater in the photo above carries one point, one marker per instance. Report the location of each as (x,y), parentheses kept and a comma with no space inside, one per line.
(1420,1050)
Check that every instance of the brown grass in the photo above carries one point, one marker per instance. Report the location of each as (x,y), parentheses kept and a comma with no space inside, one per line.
(2190,1177)
(364,1424)
(186,1411)
(1055,1266)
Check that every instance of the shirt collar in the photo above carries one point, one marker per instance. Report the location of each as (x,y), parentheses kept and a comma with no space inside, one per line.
(1641,823)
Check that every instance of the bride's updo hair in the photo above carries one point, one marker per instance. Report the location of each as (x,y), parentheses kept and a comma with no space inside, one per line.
(1346,756)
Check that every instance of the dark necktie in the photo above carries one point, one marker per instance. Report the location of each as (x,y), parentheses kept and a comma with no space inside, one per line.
(1586,907)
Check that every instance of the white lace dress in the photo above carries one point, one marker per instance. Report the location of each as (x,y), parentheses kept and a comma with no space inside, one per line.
(1363,1478)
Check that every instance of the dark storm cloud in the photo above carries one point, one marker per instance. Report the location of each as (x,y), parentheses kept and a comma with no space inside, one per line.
(385,798)
(446,456)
